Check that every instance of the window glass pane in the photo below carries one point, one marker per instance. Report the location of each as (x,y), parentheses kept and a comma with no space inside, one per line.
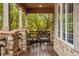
(1,15)
(70,23)
(14,16)
(59,21)
(63,21)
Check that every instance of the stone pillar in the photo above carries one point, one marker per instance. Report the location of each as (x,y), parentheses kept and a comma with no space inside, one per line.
(20,18)
(6,17)
(22,42)
(25,36)
(10,44)
(5,20)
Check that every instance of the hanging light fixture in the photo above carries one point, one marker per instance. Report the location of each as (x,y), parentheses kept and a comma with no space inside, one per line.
(40,5)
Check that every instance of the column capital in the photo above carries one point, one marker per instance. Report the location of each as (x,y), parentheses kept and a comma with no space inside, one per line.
(19,8)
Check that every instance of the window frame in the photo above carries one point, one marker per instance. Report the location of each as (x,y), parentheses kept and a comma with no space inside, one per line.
(66,27)
(58,18)
(68,23)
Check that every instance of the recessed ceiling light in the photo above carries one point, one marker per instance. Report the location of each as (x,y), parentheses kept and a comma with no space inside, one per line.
(40,5)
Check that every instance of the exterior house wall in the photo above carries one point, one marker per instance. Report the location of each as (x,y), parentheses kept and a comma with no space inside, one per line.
(60,46)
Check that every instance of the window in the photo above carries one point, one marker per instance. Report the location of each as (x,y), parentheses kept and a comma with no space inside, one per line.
(1,15)
(67,22)
(70,23)
(59,21)
(63,19)
(14,16)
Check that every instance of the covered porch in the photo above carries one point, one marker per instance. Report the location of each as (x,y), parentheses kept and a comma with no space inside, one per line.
(17,41)
(60,40)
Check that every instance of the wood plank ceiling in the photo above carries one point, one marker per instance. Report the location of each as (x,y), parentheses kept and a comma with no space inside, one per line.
(37,7)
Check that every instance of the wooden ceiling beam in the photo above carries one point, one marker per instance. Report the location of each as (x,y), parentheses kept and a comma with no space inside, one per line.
(39,10)
(35,8)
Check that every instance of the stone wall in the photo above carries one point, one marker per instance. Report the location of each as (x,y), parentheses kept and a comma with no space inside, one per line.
(11,42)
(63,49)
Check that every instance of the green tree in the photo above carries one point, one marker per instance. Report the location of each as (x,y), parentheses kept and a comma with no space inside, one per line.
(14,17)
(1,15)
(23,19)
(39,22)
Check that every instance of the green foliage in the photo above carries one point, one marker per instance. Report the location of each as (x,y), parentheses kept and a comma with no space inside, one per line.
(23,19)
(70,22)
(39,22)
(1,15)
(36,22)
(14,17)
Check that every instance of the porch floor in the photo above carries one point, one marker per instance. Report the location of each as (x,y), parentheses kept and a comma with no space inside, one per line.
(43,50)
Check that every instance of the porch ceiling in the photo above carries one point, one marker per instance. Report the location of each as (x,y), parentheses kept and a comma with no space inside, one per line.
(37,7)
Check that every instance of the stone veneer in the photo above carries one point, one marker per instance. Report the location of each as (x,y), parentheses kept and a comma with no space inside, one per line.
(60,46)
(63,49)
(14,41)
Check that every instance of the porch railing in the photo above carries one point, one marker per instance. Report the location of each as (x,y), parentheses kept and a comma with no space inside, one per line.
(38,37)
